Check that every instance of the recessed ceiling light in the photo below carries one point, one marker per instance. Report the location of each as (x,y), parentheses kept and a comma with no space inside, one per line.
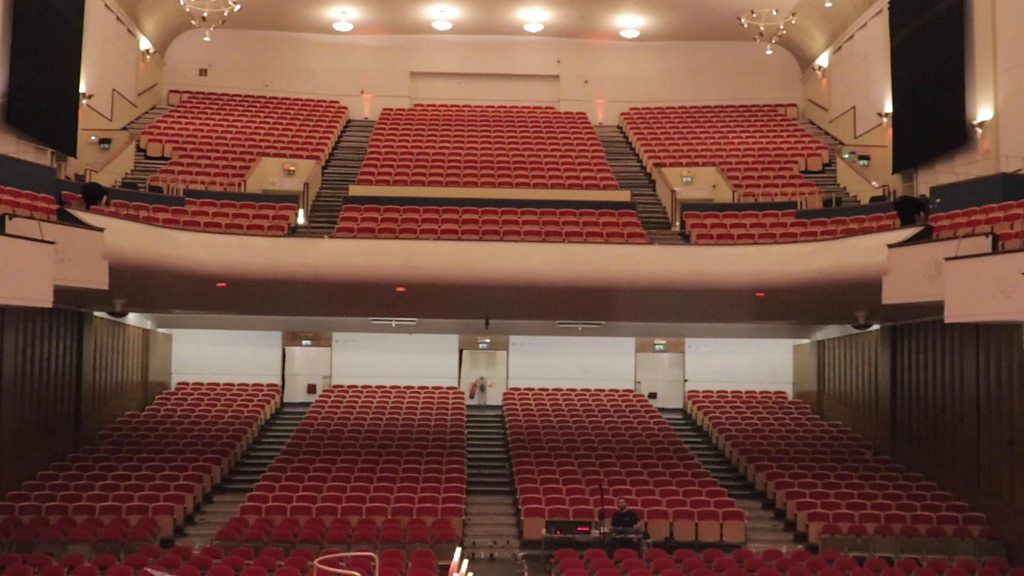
(221,284)
(534,15)
(629,21)
(828,3)
(533,27)
(400,289)
(629,33)
(343,26)
(760,294)
(442,25)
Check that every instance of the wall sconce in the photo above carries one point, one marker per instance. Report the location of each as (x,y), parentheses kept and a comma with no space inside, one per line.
(819,70)
(84,97)
(885,116)
(147,54)
(979,126)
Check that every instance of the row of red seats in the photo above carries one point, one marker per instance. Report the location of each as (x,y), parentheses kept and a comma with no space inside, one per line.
(769,562)
(472,220)
(198,123)
(769,458)
(492,136)
(776,237)
(1005,219)
(291,531)
(177,487)
(511,233)
(27,204)
(214,561)
(443,408)
(537,432)
(262,224)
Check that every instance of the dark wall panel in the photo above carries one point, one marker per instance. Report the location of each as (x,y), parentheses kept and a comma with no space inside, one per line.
(116,380)
(852,386)
(955,394)
(40,371)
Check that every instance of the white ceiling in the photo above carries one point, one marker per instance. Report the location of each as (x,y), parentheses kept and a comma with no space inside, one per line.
(586,19)
(665,20)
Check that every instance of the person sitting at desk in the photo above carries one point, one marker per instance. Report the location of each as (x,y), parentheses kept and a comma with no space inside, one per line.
(625,520)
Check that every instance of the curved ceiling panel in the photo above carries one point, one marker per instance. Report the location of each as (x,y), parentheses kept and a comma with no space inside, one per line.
(663,20)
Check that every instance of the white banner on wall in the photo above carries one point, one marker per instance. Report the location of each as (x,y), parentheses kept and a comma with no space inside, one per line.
(226,356)
(567,361)
(739,364)
(405,359)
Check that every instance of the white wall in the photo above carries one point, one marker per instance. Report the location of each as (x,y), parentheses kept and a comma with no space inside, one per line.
(371,72)
(571,361)
(739,364)
(304,365)
(662,373)
(110,53)
(860,74)
(406,359)
(226,356)
(1010,86)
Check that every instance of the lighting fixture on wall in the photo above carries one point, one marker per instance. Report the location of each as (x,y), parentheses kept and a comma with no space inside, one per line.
(146,47)
(985,116)
(769,25)
(84,97)
(208,15)
(885,116)
(979,125)
(821,64)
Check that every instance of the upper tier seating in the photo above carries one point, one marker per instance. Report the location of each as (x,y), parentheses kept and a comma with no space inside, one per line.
(826,477)
(758,148)
(1005,219)
(27,204)
(368,465)
(486,147)
(214,139)
(490,223)
(148,471)
(567,443)
(771,226)
(217,561)
(227,216)
(769,562)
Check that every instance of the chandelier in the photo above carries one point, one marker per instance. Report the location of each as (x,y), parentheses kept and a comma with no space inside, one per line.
(208,15)
(769,25)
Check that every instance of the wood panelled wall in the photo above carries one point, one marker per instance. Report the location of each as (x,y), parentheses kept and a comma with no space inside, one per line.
(64,375)
(40,376)
(116,381)
(945,399)
(852,387)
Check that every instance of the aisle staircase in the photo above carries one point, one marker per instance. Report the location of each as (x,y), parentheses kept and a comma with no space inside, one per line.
(223,503)
(143,167)
(491,528)
(631,175)
(764,530)
(339,172)
(827,179)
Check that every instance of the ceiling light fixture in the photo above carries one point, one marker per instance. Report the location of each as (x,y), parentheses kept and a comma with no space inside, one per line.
(208,15)
(343,26)
(629,33)
(442,25)
(769,25)
(533,27)
(828,3)
(579,324)
(393,322)
(442,17)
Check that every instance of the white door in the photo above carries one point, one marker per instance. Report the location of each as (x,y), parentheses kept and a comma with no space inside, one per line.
(663,373)
(492,365)
(307,371)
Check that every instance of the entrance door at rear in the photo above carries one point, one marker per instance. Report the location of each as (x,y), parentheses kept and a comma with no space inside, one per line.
(307,371)
(492,365)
